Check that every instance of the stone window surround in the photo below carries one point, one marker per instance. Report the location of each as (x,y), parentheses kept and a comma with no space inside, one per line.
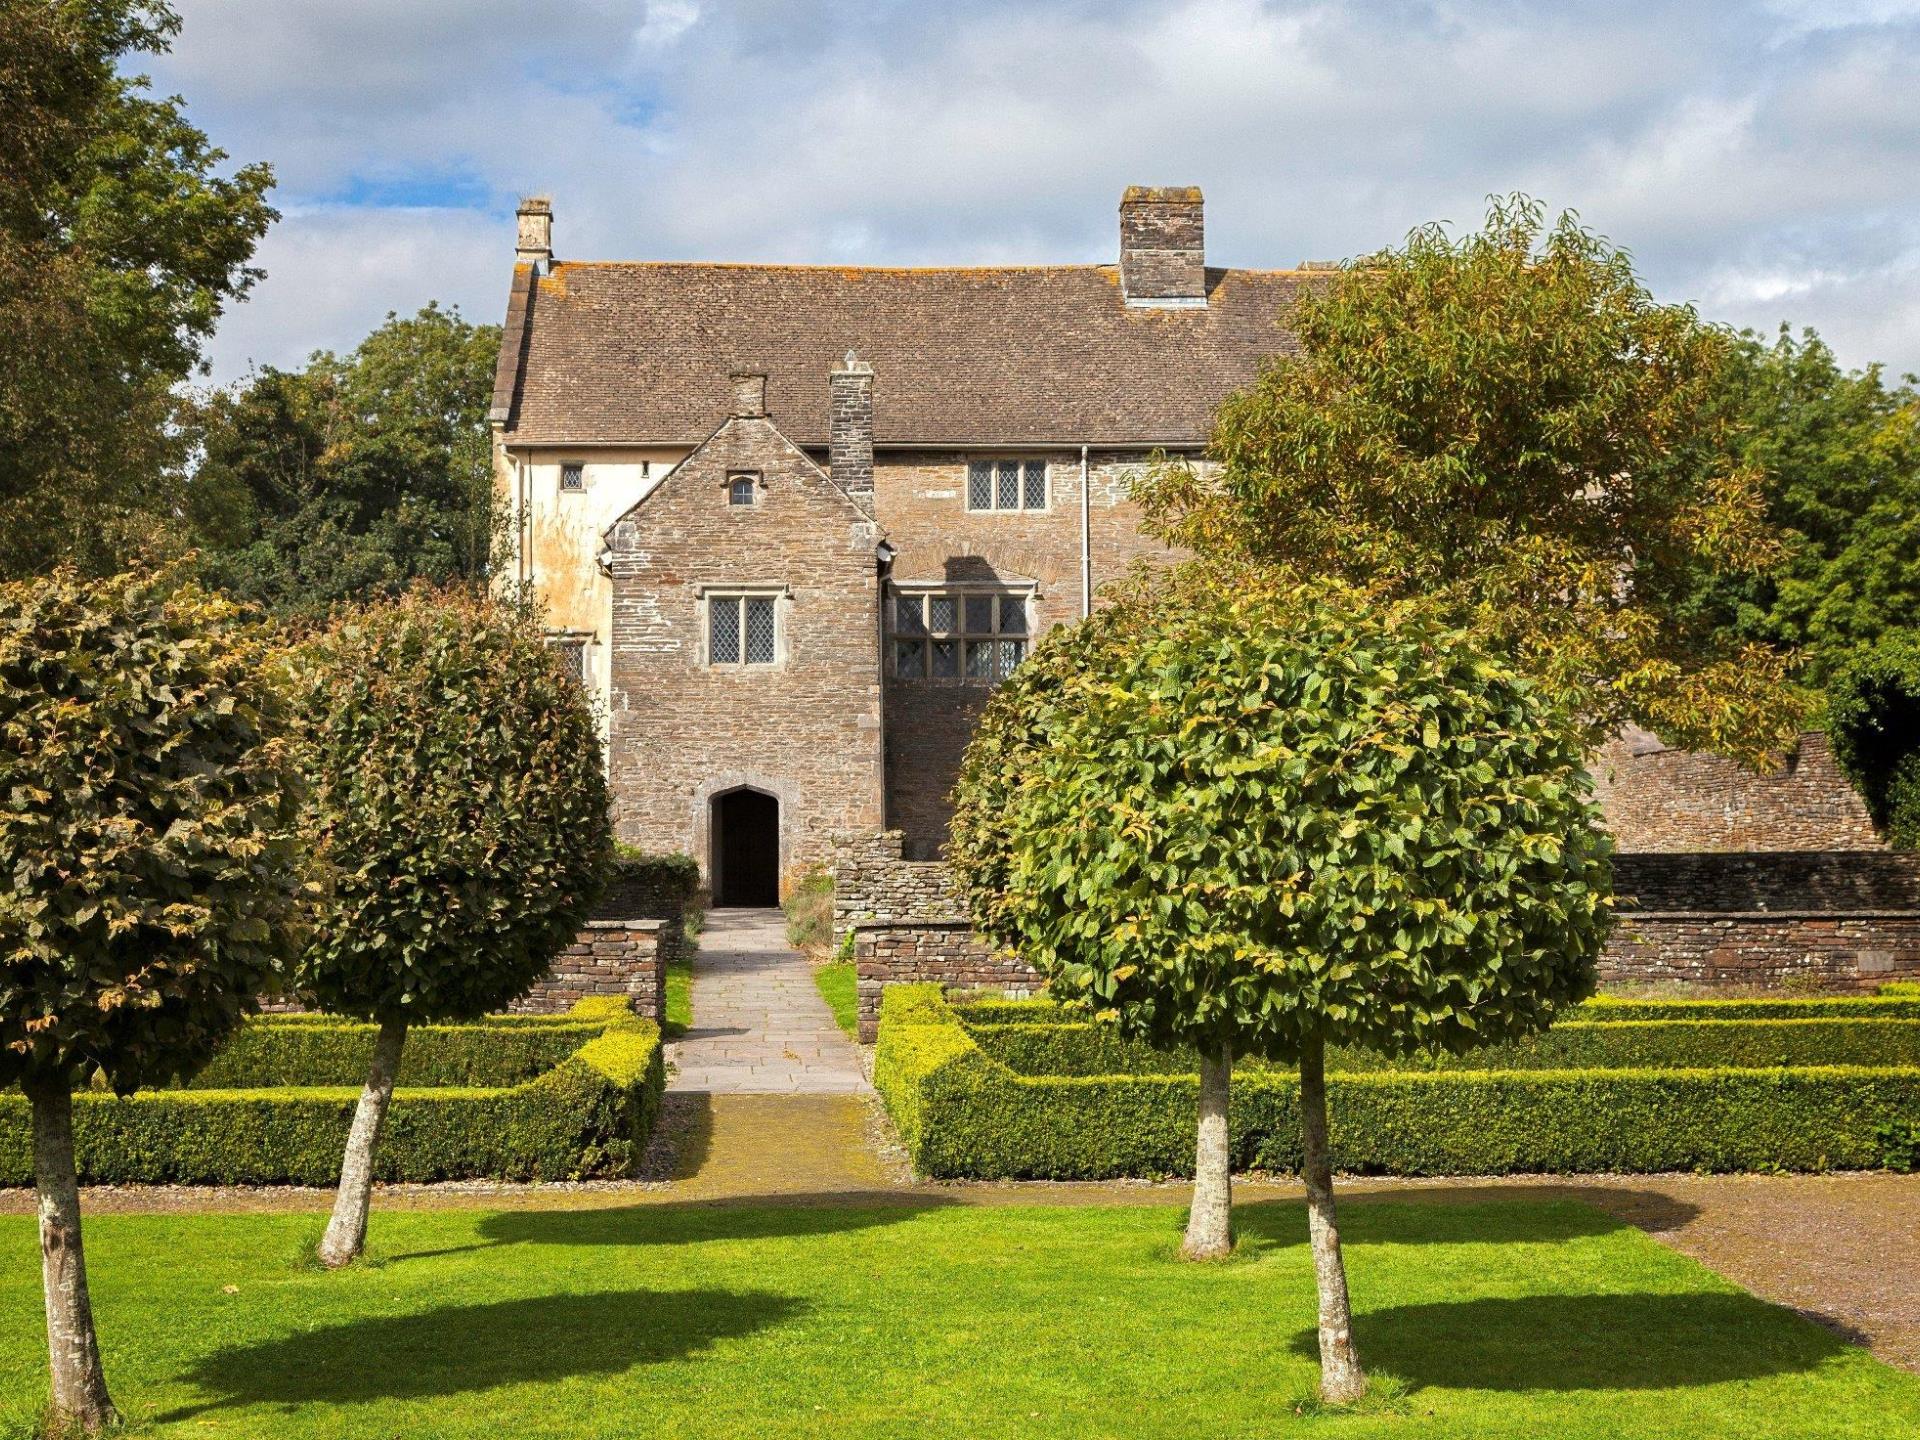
(782,597)
(573,477)
(1028,592)
(994,507)
(750,479)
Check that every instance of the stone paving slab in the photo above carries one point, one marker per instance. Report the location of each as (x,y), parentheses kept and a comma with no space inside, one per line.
(759,1024)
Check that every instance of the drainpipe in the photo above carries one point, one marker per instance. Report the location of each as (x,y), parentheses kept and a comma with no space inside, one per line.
(1086,540)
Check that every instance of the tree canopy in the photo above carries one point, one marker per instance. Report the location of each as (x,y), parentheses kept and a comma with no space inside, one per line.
(1258,818)
(354,476)
(122,239)
(148,836)
(1508,423)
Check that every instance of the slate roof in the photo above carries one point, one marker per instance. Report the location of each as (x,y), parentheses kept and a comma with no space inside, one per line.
(1034,355)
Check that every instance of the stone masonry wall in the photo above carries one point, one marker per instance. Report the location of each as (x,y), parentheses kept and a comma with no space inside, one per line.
(611,957)
(1659,799)
(949,952)
(921,502)
(805,729)
(1764,950)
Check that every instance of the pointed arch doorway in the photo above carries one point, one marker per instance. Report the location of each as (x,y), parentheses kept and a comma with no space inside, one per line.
(745,863)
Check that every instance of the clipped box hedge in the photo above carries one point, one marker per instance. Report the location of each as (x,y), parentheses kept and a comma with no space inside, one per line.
(962,1113)
(589,1114)
(328,1052)
(1081,1048)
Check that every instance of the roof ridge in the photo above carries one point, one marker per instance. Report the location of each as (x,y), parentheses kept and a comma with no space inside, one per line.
(816,266)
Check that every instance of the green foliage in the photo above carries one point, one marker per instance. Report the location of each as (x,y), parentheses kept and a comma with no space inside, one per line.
(458,806)
(148,828)
(121,242)
(643,884)
(1089,1049)
(1840,453)
(589,1115)
(1873,714)
(963,1114)
(809,907)
(1508,424)
(355,476)
(1267,817)
(270,1052)
(1899,1142)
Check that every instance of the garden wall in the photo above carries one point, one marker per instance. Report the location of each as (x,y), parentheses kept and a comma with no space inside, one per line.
(611,957)
(1828,920)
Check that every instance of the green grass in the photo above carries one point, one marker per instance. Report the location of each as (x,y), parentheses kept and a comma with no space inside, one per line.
(679,997)
(1514,1318)
(836,982)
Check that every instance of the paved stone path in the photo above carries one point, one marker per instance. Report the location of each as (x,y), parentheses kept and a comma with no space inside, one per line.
(759,1024)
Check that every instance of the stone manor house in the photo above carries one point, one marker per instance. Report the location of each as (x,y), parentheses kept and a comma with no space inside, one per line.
(795,522)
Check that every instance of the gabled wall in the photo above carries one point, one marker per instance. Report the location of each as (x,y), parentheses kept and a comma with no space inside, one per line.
(806,729)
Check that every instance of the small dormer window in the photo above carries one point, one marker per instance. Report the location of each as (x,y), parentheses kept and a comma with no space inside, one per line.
(743,490)
(573,478)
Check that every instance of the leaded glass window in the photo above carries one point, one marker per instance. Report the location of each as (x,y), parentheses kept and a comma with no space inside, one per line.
(742,630)
(1007,485)
(760,631)
(949,635)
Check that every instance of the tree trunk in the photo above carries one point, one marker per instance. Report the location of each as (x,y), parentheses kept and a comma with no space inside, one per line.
(73,1352)
(1341,1378)
(346,1233)
(1210,1220)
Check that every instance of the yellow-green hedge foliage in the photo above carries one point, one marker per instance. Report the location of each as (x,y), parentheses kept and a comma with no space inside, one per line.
(588,1115)
(962,1113)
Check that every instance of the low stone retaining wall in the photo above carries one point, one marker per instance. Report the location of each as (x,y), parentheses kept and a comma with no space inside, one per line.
(946,951)
(1763,949)
(610,957)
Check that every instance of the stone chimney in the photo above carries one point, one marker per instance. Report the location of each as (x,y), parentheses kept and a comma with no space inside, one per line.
(534,243)
(1163,248)
(749,394)
(850,427)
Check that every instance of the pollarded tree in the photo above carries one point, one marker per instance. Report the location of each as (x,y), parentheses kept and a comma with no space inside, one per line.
(149,835)
(1255,821)
(460,812)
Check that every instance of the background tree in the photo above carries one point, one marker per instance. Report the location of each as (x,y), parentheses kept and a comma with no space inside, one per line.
(1509,424)
(354,476)
(459,809)
(149,839)
(120,244)
(1874,717)
(1255,821)
(1840,455)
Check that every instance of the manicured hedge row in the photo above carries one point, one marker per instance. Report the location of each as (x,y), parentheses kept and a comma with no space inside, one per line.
(271,1052)
(962,1113)
(1896,1001)
(1081,1048)
(589,1115)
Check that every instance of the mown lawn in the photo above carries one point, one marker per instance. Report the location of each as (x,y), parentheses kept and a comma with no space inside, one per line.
(679,997)
(836,982)
(1515,1319)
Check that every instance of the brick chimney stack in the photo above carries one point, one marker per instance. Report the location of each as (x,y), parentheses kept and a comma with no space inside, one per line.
(534,243)
(850,427)
(749,394)
(1163,246)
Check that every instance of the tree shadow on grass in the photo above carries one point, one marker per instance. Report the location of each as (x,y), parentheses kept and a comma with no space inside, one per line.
(1465,1215)
(459,1349)
(1586,1342)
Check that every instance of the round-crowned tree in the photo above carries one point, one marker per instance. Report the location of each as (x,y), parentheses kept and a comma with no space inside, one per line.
(459,811)
(150,843)
(1249,819)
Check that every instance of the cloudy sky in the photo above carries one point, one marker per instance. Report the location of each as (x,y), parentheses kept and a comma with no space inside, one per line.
(1760,157)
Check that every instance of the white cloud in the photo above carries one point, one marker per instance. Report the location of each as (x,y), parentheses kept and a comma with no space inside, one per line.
(1732,147)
